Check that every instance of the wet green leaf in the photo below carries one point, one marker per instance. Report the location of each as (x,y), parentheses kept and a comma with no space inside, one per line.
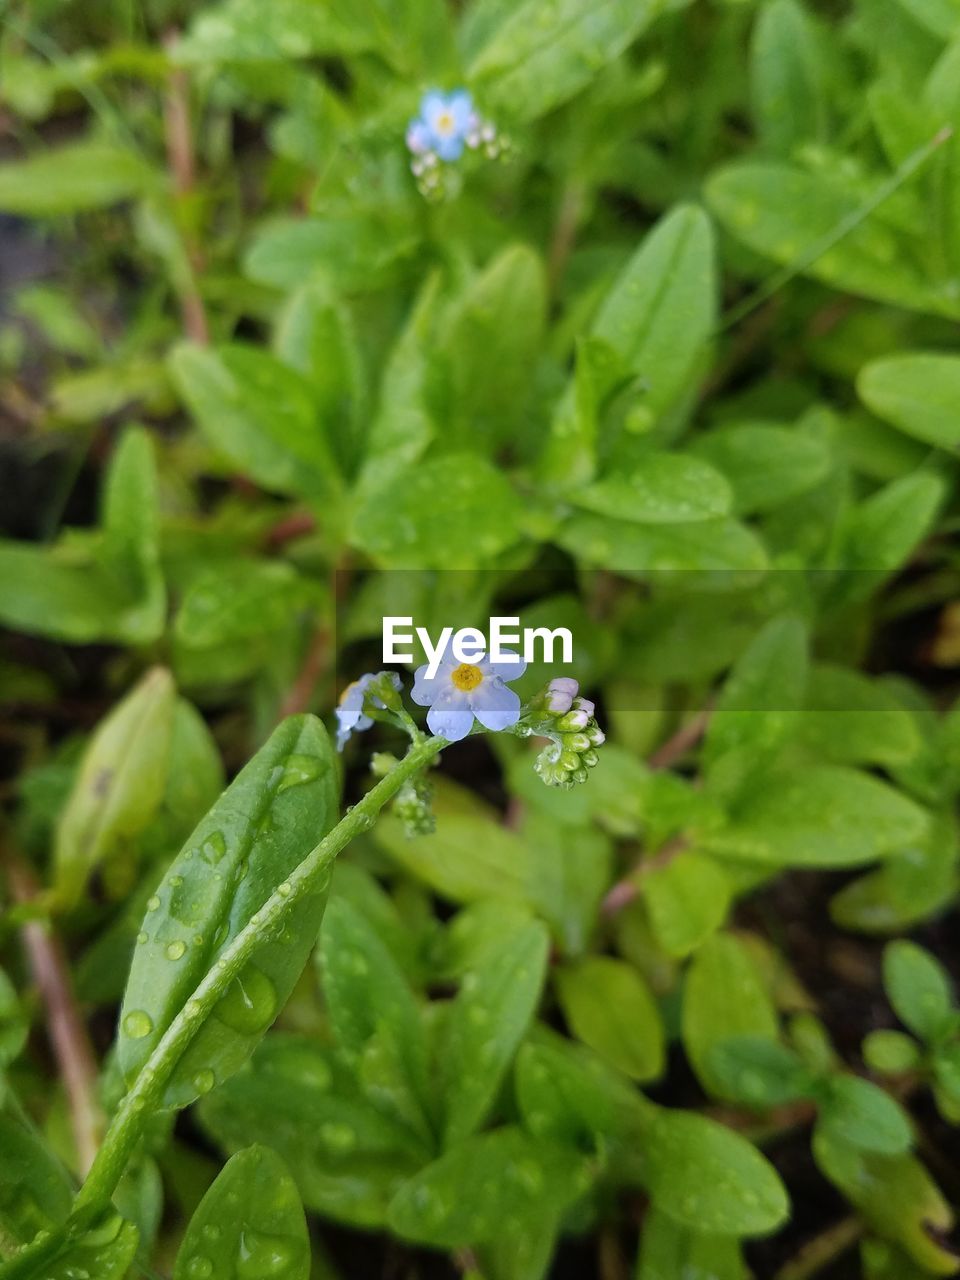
(609,1006)
(249,1224)
(274,812)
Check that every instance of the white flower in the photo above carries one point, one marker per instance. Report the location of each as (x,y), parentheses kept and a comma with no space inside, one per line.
(461,690)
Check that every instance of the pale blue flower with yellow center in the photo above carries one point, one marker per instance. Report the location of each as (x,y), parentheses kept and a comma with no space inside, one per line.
(445,123)
(461,691)
(351,717)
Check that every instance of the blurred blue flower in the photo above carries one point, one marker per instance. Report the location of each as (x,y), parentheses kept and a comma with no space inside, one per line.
(350,714)
(461,690)
(445,123)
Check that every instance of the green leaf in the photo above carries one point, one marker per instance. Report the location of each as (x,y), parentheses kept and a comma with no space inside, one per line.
(787,78)
(273,813)
(565,1092)
(758,1072)
(119,786)
(244,31)
(709,1178)
(859,1113)
(666,488)
(95,586)
(451,512)
(375,1015)
(541,54)
(403,425)
(71,179)
(766,465)
(106,1251)
(829,816)
(895,1195)
(13,1022)
(250,1223)
(724,996)
(668,1250)
(497,324)
(917,392)
(688,900)
(661,310)
(757,708)
(571,869)
(785,214)
(609,1006)
(881,533)
(486,1023)
(471,856)
(35,1189)
(624,547)
(890,1052)
(486,1185)
(919,989)
(852,719)
(260,414)
(238,602)
(315,335)
(360,250)
(348,1160)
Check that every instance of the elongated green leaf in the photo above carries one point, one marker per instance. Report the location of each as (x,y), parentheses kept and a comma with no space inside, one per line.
(489,1018)
(497,324)
(896,1196)
(543,53)
(250,1223)
(260,414)
(852,719)
(375,1016)
(625,547)
(35,1188)
(119,786)
(859,1113)
(786,213)
(757,708)
(456,511)
(486,1185)
(71,179)
(610,1008)
(918,392)
(470,856)
(666,488)
(661,309)
(243,31)
(709,1178)
(828,816)
(881,532)
(346,1157)
(688,900)
(787,77)
(766,465)
(919,989)
(724,996)
(268,819)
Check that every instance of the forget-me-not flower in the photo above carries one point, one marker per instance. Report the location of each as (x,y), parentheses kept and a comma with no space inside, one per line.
(350,714)
(461,690)
(445,123)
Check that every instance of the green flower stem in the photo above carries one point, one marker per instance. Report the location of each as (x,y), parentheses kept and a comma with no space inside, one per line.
(147,1091)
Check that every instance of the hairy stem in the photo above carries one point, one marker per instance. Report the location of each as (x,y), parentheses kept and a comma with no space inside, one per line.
(147,1091)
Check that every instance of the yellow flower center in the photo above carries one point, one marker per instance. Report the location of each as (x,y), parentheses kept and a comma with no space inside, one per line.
(445,122)
(467,677)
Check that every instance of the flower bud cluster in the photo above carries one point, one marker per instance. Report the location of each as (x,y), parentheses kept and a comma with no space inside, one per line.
(560,714)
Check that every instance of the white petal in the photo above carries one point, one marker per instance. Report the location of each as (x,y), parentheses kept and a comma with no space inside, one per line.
(494,705)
